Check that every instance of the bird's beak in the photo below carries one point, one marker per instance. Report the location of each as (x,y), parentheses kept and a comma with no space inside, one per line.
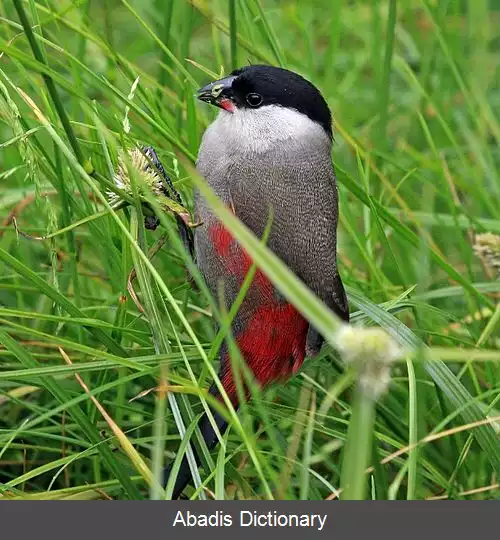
(219,93)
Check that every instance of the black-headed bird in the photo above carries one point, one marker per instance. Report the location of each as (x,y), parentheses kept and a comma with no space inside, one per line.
(267,153)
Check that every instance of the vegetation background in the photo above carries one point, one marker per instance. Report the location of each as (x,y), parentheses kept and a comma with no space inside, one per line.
(414,90)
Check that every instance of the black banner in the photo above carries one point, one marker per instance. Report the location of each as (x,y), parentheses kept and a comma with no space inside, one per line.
(256,520)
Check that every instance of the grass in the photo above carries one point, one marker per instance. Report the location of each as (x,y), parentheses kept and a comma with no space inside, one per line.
(94,392)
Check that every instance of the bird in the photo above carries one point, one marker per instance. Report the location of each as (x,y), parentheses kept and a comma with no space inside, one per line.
(267,153)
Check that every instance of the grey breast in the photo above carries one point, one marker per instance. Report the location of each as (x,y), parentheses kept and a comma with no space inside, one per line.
(294,183)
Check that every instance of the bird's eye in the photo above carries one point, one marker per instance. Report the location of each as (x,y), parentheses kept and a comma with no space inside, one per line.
(254,100)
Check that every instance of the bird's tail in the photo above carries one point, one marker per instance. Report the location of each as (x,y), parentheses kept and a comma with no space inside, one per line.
(184,476)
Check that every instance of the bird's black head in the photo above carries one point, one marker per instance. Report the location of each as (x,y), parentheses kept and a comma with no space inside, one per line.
(256,86)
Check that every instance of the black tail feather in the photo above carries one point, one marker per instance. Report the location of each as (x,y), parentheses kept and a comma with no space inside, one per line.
(184,475)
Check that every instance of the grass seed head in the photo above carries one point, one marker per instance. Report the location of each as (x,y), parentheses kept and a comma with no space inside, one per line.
(136,160)
(371,351)
(487,247)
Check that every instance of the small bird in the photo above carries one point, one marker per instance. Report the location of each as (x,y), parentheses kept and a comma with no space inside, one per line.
(268,153)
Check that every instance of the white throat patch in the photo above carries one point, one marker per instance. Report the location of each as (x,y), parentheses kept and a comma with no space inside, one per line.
(258,129)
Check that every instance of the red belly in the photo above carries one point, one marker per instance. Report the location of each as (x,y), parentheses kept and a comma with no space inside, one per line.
(273,342)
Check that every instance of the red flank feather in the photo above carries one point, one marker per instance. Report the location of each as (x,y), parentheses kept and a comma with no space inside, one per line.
(273,343)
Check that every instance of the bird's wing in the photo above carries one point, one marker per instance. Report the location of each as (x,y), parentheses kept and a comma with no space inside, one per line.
(299,188)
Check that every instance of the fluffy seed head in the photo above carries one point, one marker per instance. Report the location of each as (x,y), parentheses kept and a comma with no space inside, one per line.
(372,352)
(141,165)
(487,247)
